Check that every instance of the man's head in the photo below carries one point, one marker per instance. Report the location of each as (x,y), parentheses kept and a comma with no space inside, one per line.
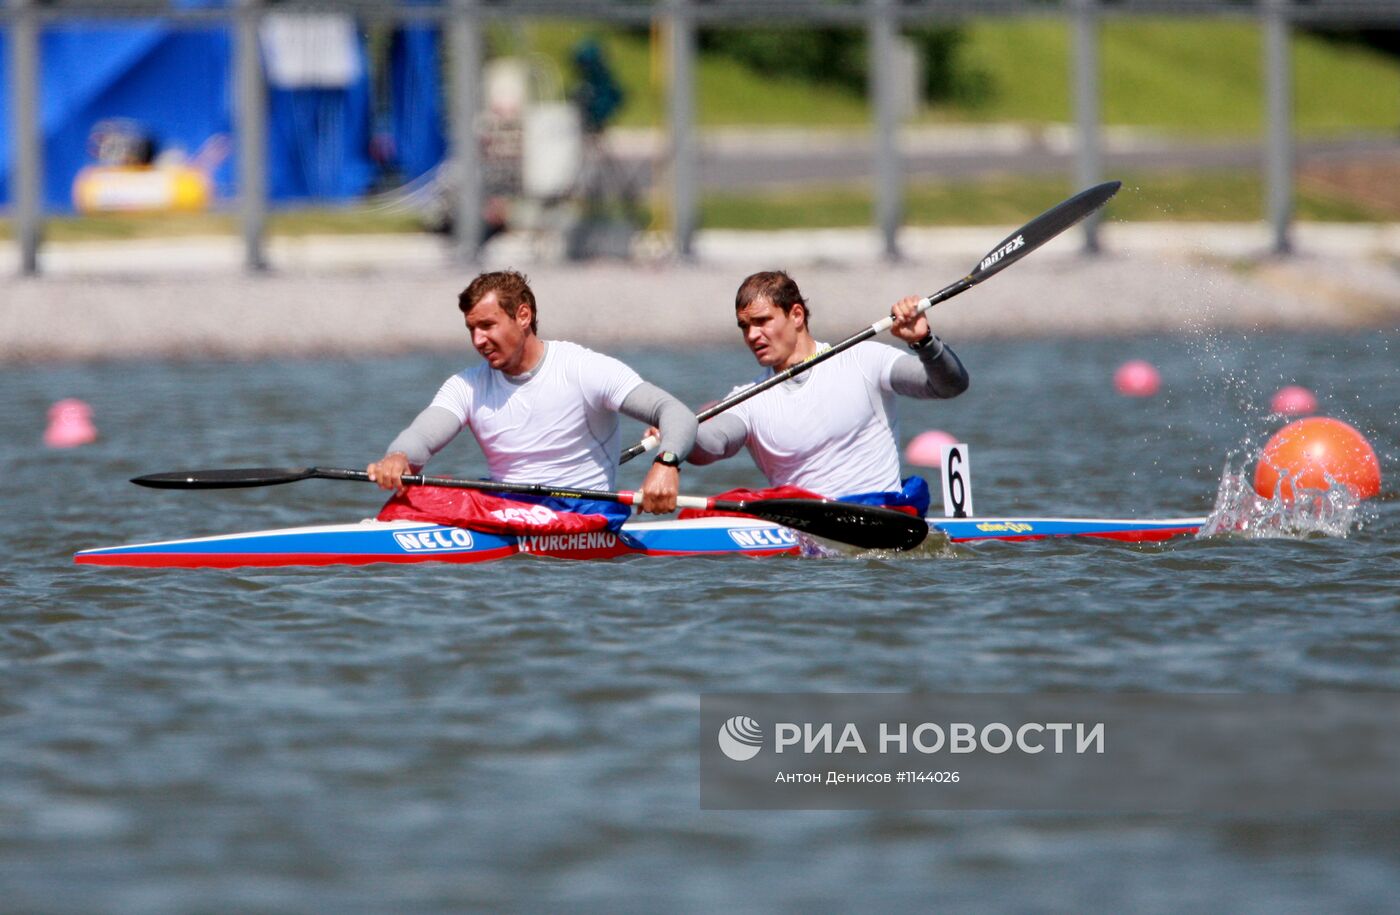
(500,314)
(512,290)
(772,316)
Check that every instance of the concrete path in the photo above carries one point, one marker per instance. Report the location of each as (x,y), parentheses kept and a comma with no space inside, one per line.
(354,295)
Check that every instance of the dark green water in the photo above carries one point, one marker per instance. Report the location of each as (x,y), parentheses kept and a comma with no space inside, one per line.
(522,734)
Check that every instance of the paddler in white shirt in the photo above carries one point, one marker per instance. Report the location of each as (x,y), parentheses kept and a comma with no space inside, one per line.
(832,430)
(543,411)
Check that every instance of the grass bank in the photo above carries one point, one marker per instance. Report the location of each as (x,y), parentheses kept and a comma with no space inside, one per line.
(1203,196)
(1200,196)
(1188,76)
(339,220)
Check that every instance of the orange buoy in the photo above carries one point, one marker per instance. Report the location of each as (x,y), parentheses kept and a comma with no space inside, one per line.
(1137,378)
(1310,450)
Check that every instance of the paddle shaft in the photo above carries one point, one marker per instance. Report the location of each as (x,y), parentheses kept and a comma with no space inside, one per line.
(867,526)
(1014,247)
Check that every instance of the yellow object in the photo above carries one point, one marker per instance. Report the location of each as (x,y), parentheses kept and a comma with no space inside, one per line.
(136,189)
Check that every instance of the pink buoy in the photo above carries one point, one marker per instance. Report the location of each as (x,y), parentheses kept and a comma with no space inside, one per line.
(1293,401)
(926,448)
(70,424)
(1137,378)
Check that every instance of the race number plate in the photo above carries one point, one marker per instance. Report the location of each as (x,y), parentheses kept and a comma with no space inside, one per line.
(957,481)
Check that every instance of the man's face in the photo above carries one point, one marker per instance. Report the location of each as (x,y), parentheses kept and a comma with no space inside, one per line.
(498,335)
(770,334)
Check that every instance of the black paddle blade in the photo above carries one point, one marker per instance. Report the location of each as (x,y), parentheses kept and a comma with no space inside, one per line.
(1043,228)
(866,526)
(237,478)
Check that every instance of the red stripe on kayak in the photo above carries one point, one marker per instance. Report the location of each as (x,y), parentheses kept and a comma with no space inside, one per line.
(1147,536)
(238,560)
(244,560)
(793,550)
(603,552)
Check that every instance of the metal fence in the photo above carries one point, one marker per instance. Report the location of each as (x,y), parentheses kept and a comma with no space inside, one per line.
(463,20)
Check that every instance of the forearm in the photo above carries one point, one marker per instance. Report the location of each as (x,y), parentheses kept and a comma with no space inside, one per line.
(934,372)
(428,434)
(649,404)
(717,439)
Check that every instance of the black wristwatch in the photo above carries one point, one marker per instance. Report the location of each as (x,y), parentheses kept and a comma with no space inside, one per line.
(669,458)
(920,345)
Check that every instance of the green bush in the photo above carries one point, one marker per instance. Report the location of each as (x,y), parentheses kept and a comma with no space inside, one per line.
(839,56)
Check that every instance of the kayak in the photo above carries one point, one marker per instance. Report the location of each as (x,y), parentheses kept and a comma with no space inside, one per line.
(415,541)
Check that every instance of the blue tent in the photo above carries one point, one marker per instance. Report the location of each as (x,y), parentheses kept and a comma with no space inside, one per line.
(176,82)
(416,101)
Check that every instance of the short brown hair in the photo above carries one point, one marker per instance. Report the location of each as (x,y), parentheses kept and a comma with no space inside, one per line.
(512,289)
(775,286)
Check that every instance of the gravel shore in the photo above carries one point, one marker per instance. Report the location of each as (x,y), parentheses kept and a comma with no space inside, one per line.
(188,298)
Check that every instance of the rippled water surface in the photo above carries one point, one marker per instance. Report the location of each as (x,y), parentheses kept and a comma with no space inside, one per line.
(434,738)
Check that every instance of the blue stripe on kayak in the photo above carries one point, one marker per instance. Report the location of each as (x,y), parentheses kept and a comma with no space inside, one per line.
(1002,528)
(352,542)
(738,538)
(441,540)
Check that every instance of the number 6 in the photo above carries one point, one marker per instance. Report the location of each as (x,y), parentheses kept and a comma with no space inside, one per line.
(957,481)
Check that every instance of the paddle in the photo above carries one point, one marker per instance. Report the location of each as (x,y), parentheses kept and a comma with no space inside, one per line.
(1014,247)
(866,526)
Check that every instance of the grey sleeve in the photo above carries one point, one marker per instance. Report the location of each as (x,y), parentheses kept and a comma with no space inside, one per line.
(428,434)
(653,406)
(719,437)
(935,372)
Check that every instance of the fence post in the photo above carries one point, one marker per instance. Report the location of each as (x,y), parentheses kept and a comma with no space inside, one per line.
(1088,103)
(883,35)
(27,179)
(251,119)
(464,42)
(1278,140)
(684,161)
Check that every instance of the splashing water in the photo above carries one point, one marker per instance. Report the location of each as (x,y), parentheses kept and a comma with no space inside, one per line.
(1242,513)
